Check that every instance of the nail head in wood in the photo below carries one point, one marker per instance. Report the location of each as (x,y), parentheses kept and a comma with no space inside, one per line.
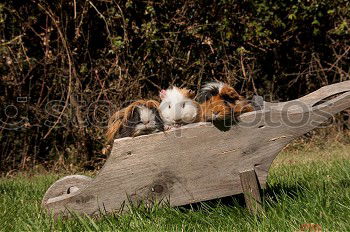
(157,188)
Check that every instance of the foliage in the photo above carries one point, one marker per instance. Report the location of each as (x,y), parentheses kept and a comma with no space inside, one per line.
(66,64)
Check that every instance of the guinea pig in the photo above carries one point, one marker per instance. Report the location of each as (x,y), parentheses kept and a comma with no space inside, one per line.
(178,107)
(139,118)
(219,101)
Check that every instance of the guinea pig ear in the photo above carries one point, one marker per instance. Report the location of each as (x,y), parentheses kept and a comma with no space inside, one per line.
(229,94)
(191,94)
(162,94)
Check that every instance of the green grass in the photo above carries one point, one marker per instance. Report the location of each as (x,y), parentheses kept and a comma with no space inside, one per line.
(306,185)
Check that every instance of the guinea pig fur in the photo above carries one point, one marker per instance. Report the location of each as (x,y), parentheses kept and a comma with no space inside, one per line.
(219,101)
(178,107)
(139,118)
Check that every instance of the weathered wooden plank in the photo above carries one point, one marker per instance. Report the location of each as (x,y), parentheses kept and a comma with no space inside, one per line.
(251,191)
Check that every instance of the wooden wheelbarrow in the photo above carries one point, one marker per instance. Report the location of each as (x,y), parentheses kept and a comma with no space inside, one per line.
(197,162)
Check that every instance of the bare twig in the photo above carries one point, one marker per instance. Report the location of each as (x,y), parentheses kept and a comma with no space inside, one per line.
(102,17)
(65,45)
(11,41)
(75,8)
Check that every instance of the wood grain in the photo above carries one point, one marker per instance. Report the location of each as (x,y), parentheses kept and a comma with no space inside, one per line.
(251,191)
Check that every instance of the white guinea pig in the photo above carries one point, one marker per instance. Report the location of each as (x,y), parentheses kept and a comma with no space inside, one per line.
(178,107)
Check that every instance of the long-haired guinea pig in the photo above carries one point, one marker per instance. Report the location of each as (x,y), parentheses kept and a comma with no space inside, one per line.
(178,106)
(219,101)
(139,118)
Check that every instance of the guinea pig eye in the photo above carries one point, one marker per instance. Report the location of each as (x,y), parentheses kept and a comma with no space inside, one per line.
(169,106)
(183,105)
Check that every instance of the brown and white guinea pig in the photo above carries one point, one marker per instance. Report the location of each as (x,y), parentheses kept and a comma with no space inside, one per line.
(219,101)
(139,118)
(178,107)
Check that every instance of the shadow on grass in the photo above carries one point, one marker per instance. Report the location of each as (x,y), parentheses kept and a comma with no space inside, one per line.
(229,201)
(271,193)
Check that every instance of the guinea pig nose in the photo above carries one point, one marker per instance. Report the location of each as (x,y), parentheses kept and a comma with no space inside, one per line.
(177,120)
(146,122)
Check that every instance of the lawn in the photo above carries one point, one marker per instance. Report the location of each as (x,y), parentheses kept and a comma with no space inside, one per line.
(308,183)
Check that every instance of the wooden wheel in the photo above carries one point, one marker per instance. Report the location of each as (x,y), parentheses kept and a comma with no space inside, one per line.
(66,186)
